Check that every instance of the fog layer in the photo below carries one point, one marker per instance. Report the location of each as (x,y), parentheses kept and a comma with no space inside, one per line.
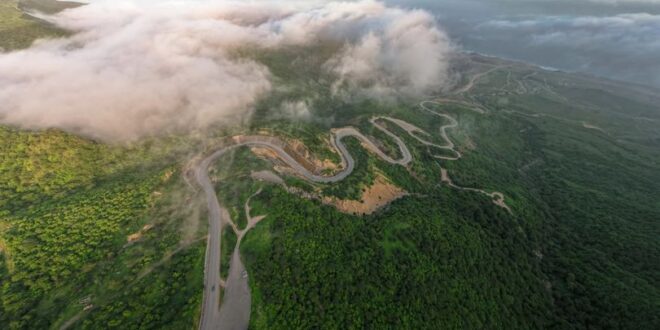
(616,39)
(139,68)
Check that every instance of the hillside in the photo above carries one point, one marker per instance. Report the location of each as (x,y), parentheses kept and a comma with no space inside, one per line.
(113,235)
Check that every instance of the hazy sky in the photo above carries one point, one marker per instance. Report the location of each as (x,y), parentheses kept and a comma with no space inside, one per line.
(618,39)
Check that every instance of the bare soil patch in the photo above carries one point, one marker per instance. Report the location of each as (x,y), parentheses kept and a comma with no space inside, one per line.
(136,236)
(378,195)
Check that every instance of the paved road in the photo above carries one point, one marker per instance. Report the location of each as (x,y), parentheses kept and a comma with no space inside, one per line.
(235,311)
(475,78)
(236,303)
(212,317)
(212,260)
(443,132)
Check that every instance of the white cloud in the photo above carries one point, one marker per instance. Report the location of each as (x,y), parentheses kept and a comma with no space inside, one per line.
(296,110)
(409,56)
(139,68)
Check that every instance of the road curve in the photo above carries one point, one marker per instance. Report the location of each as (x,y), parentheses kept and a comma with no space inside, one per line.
(212,316)
(212,258)
(475,78)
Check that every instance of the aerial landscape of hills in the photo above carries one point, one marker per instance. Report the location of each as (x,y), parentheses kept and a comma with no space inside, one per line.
(327,165)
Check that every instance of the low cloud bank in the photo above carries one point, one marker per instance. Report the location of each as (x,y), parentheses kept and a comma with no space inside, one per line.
(622,47)
(616,39)
(135,69)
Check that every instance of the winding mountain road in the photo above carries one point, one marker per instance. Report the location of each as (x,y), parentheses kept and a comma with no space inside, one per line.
(475,78)
(235,311)
(211,317)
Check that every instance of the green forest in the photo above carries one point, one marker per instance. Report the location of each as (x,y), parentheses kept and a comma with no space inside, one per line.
(96,235)
(68,205)
(578,251)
